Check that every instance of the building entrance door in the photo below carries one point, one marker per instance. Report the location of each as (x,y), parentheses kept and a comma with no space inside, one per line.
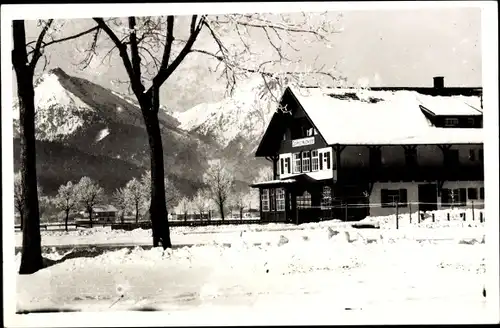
(427,197)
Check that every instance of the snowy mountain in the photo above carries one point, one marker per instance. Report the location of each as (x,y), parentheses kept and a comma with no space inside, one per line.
(245,115)
(82,128)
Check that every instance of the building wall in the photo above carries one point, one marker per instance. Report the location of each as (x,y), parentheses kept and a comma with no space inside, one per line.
(375,198)
(479,203)
(427,155)
(412,194)
(324,173)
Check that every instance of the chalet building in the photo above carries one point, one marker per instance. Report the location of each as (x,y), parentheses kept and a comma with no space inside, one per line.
(348,153)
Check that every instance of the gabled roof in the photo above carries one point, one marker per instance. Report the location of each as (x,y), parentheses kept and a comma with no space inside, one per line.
(453,106)
(105,208)
(365,117)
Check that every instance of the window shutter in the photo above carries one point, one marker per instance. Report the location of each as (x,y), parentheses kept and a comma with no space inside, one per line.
(282,169)
(320,161)
(301,163)
(288,164)
(383,197)
(328,161)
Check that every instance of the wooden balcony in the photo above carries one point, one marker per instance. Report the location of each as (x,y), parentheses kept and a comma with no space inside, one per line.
(405,173)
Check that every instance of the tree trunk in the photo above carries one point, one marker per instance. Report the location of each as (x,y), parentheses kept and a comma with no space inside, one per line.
(123,217)
(221,210)
(136,213)
(31,259)
(241,214)
(158,207)
(89,210)
(66,221)
(21,216)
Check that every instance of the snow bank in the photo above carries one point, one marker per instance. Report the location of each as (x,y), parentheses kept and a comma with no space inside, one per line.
(340,267)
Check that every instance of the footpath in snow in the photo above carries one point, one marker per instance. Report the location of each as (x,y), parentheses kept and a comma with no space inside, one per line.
(431,271)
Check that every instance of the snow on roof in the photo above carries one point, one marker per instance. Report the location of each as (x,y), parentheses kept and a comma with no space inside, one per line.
(456,105)
(263,183)
(105,208)
(361,117)
(319,175)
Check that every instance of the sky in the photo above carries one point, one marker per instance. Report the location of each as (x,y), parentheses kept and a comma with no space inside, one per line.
(378,48)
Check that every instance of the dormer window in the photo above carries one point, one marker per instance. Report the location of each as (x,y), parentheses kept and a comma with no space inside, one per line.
(450,121)
(310,132)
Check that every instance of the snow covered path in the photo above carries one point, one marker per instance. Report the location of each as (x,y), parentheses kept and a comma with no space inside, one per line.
(312,273)
(358,276)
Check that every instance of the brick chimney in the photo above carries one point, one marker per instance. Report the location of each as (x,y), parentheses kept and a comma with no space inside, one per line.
(438,82)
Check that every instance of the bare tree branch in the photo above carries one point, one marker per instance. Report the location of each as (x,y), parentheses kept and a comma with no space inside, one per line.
(165,72)
(136,59)
(134,79)
(37,53)
(75,36)
(170,39)
(91,51)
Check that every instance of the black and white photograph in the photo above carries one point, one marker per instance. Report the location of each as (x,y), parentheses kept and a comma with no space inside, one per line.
(195,164)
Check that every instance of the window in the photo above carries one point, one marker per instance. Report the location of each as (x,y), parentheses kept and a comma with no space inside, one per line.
(326,161)
(287,165)
(310,132)
(453,197)
(304,201)
(280,199)
(326,198)
(315,160)
(297,168)
(411,157)
(282,166)
(472,193)
(481,193)
(265,200)
(375,157)
(450,121)
(306,161)
(472,155)
(272,199)
(389,197)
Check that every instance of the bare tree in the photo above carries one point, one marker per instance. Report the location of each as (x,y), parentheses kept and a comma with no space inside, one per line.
(184,207)
(66,200)
(18,196)
(201,201)
(121,201)
(25,63)
(220,183)
(238,201)
(134,193)
(171,191)
(151,54)
(89,194)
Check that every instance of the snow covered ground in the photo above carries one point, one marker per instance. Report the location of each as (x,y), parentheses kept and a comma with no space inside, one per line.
(313,273)
(257,233)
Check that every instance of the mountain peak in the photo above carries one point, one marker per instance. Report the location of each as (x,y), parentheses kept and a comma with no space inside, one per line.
(58,71)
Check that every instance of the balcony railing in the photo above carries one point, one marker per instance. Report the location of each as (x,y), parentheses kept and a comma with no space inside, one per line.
(406,173)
